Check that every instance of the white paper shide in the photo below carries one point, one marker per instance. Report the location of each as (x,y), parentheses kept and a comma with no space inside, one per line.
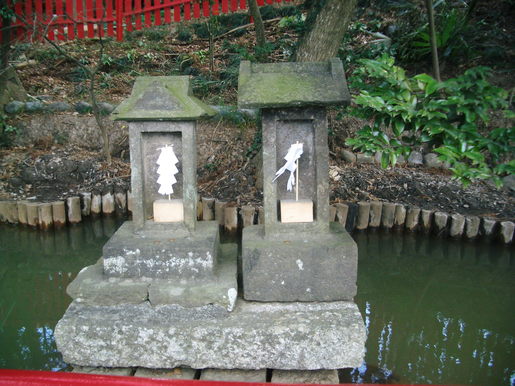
(167,169)
(294,153)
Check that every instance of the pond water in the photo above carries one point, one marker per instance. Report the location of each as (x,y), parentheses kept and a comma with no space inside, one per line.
(436,311)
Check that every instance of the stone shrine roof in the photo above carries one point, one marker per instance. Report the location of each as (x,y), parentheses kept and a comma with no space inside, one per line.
(161,98)
(292,84)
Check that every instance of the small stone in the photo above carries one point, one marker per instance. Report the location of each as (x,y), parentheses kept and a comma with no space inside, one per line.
(487,227)
(400,215)
(376,208)
(472,226)
(415,158)
(388,215)
(83,107)
(506,231)
(509,182)
(412,218)
(426,218)
(431,160)
(363,215)
(34,107)
(106,108)
(14,107)
(440,220)
(348,156)
(457,225)
(364,159)
(377,157)
(60,107)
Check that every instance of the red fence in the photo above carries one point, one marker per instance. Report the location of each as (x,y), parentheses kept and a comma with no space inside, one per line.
(72,19)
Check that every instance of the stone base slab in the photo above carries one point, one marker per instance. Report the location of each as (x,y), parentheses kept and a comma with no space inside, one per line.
(93,287)
(161,254)
(304,336)
(299,265)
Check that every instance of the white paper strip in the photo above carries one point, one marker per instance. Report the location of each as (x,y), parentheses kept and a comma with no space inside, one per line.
(167,170)
(291,157)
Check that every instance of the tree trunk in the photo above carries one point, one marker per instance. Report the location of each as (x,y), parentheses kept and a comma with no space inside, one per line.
(323,40)
(432,34)
(259,27)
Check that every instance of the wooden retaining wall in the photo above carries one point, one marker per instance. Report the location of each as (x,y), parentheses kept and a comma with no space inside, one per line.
(361,216)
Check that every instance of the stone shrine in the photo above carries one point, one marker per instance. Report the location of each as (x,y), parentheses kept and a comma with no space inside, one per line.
(164,294)
(312,260)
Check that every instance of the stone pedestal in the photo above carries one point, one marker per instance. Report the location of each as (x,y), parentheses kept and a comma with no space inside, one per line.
(254,336)
(295,265)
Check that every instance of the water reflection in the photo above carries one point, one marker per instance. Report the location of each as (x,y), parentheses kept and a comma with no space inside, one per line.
(35,269)
(436,311)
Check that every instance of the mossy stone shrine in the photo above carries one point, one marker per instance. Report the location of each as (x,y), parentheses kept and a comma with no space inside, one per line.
(297,255)
(165,293)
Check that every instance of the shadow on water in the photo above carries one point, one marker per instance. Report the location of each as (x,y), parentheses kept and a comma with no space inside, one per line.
(35,269)
(436,310)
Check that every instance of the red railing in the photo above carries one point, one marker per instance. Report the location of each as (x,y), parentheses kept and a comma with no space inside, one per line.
(72,19)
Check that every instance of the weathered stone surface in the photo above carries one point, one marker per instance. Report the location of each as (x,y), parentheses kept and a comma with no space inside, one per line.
(400,215)
(281,128)
(162,98)
(348,156)
(92,287)
(426,219)
(74,211)
(22,212)
(415,159)
(412,218)
(234,375)
(431,160)
(509,182)
(472,226)
(105,108)
(59,213)
(263,85)
(362,158)
(376,207)
(506,231)
(45,215)
(14,107)
(342,211)
(59,106)
(487,227)
(457,225)
(220,290)
(298,266)
(165,252)
(32,214)
(108,206)
(363,215)
(34,106)
(316,377)
(440,220)
(120,371)
(254,336)
(83,107)
(177,373)
(388,215)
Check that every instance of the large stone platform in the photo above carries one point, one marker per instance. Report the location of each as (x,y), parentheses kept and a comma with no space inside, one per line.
(285,336)
(298,264)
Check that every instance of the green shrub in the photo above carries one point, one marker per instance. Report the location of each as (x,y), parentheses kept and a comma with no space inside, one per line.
(184,34)
(409,111)
(7,132)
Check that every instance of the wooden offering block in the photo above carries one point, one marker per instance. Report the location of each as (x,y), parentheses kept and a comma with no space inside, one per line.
(168,210)
(296,211)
